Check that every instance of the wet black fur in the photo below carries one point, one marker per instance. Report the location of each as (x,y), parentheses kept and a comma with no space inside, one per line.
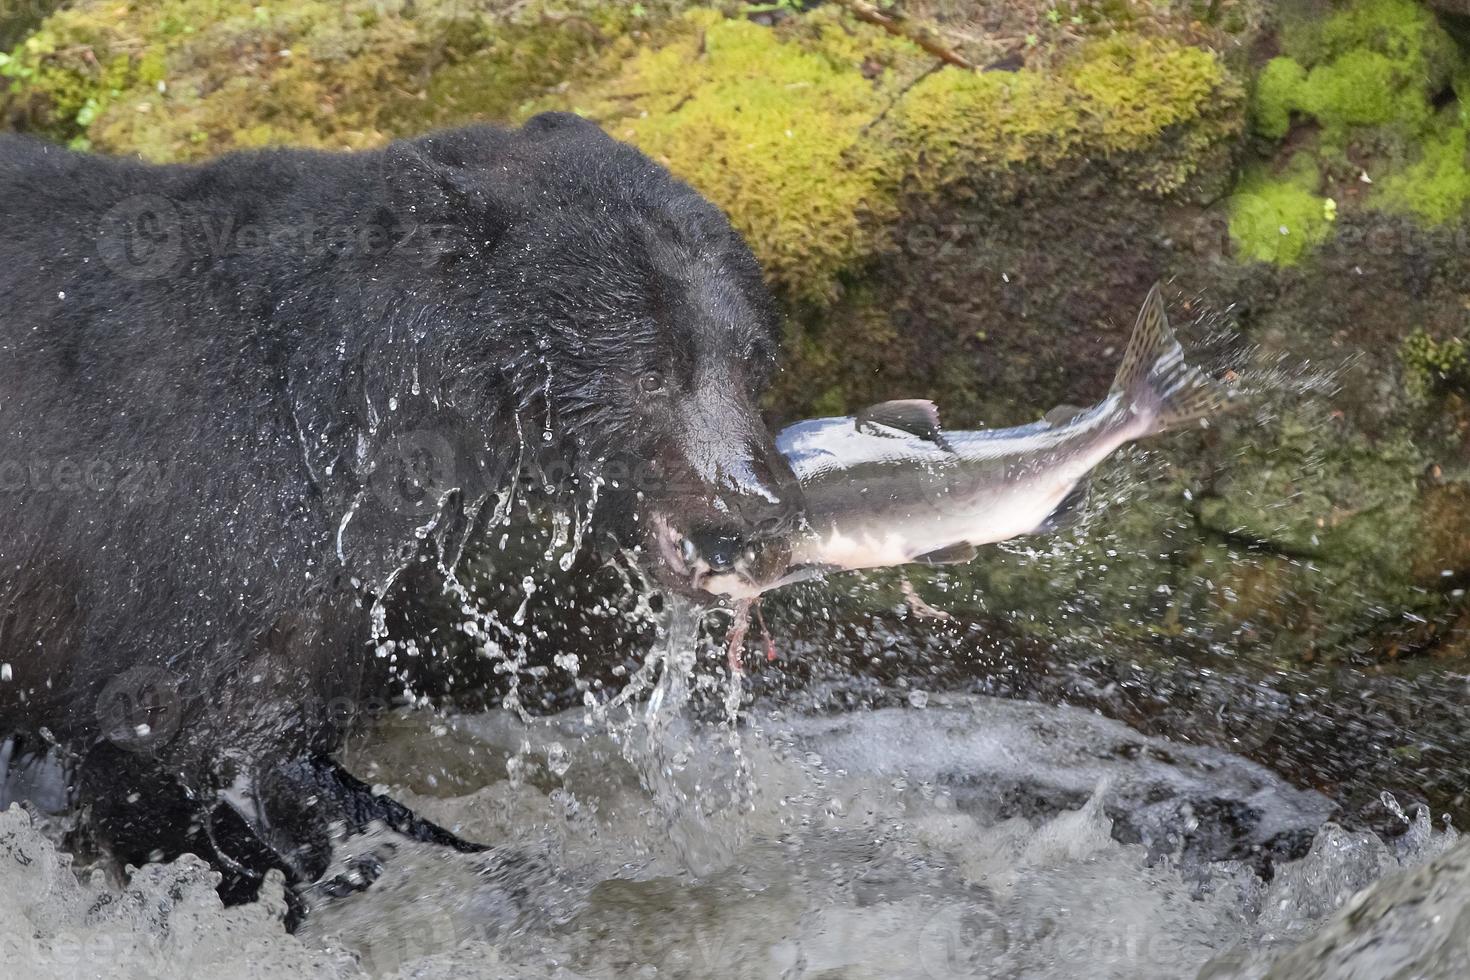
(204,369)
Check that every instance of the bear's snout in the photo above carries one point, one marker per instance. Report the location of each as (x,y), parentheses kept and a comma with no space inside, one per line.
(768,502)
(743,542)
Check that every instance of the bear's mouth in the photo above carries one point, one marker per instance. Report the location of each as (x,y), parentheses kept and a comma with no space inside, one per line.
(710,563)
(675,563)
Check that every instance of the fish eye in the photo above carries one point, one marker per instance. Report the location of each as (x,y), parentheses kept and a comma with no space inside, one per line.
(652,383)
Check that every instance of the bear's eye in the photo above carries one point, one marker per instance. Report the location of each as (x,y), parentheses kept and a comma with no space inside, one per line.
(652,383)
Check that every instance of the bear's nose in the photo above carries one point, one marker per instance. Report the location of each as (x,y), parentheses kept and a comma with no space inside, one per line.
(719,549)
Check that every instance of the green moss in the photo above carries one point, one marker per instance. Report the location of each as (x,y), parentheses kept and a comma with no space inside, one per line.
(771,125)
(1277,218)
(1136,88)
(1118,96)
(507,68)
(1400,29)
(1366,88)
(807,135)
(1436,187)
(1373,63)
(1278,92)
(1432,365)
(1369,75)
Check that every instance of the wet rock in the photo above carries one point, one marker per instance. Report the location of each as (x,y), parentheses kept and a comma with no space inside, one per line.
(1023,760)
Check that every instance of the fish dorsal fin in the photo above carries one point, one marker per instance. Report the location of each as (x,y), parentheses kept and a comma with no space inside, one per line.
(1062,414)
(915,416)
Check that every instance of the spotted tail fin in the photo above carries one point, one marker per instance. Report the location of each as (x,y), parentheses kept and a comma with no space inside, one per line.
(1155,380)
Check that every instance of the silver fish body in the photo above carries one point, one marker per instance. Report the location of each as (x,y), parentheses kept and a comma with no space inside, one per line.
(889,486)
(875,500)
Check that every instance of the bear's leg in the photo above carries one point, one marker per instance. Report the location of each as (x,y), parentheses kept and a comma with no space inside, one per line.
(287,818)
(302,809)
(139,810)
(302,801)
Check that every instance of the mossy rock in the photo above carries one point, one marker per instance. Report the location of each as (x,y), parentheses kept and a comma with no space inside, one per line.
(806,133)
(187,79)
(1117,96)
(810,134)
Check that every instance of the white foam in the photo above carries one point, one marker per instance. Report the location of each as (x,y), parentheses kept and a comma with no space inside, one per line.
(167,921)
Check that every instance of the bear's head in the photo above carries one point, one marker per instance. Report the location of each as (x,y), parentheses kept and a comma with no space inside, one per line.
(622,322)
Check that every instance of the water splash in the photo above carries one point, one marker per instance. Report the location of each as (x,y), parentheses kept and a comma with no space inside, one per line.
(884,843)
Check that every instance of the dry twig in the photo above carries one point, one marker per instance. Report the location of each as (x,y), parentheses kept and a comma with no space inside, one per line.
(924,36)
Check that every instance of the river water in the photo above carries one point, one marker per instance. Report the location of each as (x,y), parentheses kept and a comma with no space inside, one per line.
(684,830)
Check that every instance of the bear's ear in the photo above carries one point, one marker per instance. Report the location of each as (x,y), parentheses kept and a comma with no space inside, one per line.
(444,201)
(561,124)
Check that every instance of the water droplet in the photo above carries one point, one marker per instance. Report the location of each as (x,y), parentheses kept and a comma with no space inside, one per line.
(557,759)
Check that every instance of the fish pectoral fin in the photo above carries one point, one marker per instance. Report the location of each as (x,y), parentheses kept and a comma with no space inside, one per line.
(1062,414)
(913,416)
(1067,513)
(955,554)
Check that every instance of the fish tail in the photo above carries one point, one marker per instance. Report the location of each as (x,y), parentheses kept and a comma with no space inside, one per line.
(1155,380)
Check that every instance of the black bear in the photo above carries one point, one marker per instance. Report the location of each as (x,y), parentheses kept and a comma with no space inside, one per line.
(242,402)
